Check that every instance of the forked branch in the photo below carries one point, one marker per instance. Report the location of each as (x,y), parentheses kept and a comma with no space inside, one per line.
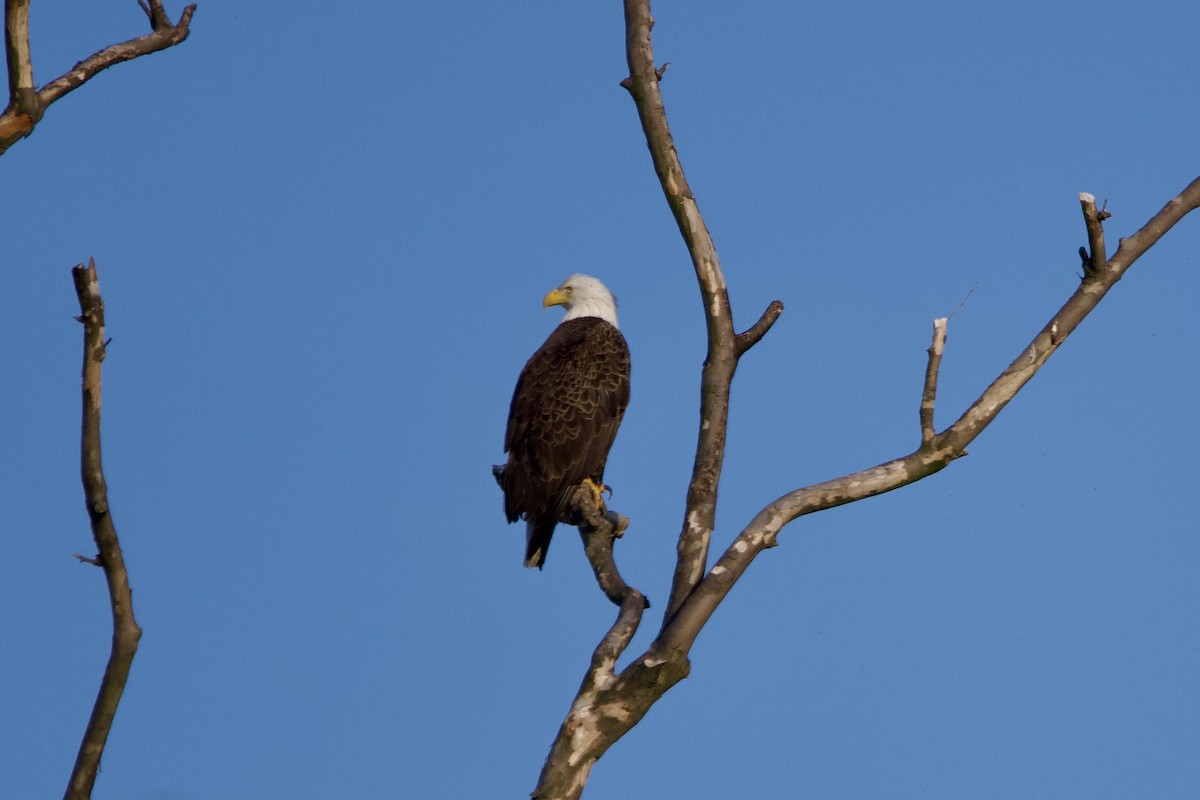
(936,451)
(610,703)
(27,104)
(724,346)
(126,632)
(586,732)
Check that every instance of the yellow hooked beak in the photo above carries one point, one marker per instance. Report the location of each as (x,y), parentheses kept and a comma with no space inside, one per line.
(557,297)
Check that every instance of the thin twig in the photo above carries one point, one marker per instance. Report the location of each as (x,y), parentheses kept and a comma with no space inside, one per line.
(963,302)
(751,336)
(1093,219)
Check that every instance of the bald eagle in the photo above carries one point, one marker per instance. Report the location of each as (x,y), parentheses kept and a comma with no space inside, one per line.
(565,412)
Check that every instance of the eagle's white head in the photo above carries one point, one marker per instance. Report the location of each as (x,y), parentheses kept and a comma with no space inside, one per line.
(584,296)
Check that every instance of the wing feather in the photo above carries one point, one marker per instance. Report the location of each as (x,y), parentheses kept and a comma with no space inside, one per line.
(566,408)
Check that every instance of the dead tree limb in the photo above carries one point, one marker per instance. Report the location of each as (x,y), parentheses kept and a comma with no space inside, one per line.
(610,703)
(27,104)
(126,632)
(724,346)
(936,451)
(582,739)
(929,395)
(1094,218)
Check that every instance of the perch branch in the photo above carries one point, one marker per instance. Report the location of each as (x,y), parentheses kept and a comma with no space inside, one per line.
(580,740)
(126,632)
(599,530)
(27,105)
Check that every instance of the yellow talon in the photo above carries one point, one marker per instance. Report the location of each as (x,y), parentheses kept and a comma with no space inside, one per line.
(597,490)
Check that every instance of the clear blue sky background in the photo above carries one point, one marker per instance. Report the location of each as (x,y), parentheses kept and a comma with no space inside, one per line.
(323,239)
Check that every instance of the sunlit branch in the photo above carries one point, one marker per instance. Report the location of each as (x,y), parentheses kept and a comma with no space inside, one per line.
(27,105)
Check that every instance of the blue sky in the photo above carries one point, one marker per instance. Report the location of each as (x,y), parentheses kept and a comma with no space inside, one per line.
(323,240)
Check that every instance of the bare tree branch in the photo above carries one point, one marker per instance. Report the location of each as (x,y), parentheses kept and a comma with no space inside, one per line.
(22,99)
(599,529)
(723,344)
(585,734)
(929,395)
(609,704)
(751,336)
(1090,292)
(700,514)
(126,632)
(27,105)
(1094,219)
(930,458)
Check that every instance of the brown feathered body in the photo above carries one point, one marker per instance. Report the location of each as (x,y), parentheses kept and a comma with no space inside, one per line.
(563,419)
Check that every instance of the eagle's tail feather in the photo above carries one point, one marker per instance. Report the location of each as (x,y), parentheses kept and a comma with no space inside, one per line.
(537,540)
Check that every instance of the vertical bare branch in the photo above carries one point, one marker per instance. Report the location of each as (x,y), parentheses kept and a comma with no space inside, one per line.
(929,395)
(22,99)
(126,632)
(155,13)
(27,105)
(700,514)
(724,346)
(1094,220)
